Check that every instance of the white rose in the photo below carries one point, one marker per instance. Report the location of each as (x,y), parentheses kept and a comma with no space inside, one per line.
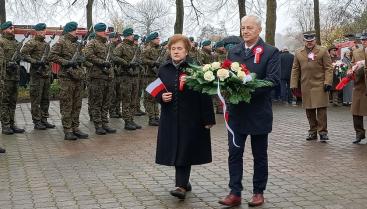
(216,65)
(222,74)
(206,67)
(209,76)
(241,75)
(235,66)
(237,69)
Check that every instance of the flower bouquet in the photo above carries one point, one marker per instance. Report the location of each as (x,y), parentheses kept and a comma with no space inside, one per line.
(340,69)
(350,75)
(231,79)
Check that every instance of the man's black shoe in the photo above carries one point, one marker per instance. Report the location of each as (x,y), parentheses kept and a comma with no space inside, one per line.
(100,131)
(80,134)
(153,122)
(137,126)
(358,139)
(70,136)
(17,130)
(47,124)
(2,150)
(324,137)
(39,126)
(7,131)
(109,129)
(129,126)
(311,136)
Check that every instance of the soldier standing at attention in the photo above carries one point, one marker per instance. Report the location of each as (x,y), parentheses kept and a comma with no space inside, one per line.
(151,55)
(312,65)
(141,77)
(33,52)
(123,56)
(100,79)
(2,57)
(88,66)
(194,53)
(206,52)
(10,79)
(71,78)
(115,108)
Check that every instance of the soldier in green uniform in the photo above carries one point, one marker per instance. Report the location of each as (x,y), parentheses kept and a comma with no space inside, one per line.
(206,52)
(10,79)
(123,56)
(141,77)
(151,59)
(100,79)
(71,78)
(33,52)
(2,58)
(194,53)
(88,66)
(115,107)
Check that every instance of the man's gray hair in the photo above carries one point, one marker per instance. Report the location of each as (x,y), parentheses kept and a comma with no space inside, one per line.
(253,17)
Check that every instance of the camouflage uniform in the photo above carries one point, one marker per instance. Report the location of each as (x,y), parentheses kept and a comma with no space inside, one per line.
(206,57)
(71,82)
(195,55)
(10,83)
(141,82)
(150,57)
(115,108)
(122,56)
(32,52)
(100,81)
(2,72)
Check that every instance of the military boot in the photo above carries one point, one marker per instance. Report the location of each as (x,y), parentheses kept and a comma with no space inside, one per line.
(129,126)
(100,131)
(70,136)
(17,130)
(2,150)
(140,113)
(137,126)
(153,122)
(109,129)
(324,137)
(39,126)
(47,124)
(311,136)
(80,134)
(7,130)
(359,138)
(114,115)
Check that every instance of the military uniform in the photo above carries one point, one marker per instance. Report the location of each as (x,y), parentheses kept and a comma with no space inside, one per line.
(141,77)
(151,57)
(359,98)
(71,78)
(100,82)
(122,56)
(115,108)
(195,55)
(40,82)
(10,83)
(316,75)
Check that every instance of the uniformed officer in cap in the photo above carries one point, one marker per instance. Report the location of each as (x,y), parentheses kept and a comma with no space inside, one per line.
(10,79)
(359,98)
(206,52)
(312,65)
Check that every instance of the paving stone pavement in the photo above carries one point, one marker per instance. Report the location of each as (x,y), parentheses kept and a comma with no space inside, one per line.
(41,170)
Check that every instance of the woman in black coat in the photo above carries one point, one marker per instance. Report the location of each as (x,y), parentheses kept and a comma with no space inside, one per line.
(186,119)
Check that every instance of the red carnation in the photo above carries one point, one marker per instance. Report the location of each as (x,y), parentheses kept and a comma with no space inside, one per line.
(226,64)
(245,69)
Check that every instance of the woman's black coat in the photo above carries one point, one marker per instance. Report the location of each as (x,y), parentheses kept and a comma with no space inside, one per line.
(182,138)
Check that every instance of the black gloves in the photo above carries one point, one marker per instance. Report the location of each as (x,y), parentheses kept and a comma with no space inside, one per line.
(73,64)
(106,64)
(12,65)
(327,87)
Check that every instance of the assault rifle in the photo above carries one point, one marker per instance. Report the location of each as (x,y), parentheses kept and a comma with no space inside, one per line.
(16,54)
(46,51)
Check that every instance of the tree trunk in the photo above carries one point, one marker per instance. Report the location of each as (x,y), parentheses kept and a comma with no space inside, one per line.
(242,8)
(271,20)
(179,16)
(90,14)
(316,10)
(2,11)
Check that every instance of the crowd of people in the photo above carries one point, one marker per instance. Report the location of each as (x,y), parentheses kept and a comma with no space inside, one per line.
(116,68)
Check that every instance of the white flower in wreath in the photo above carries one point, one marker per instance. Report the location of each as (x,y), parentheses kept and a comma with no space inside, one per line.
(206,67)
(209,76)
(241,75)
(247,78)
(222,74)
(216,65)
(235,66)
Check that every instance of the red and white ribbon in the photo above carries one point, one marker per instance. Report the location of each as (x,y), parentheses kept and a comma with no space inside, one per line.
(258,51)
(225,114)
(182,81)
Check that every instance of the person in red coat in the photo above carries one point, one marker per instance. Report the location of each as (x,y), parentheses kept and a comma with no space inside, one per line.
(185,120)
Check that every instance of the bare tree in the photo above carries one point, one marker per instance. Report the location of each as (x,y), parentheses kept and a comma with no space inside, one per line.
(271,19)
(89,9)
(2,11)
(242,8)
(316,9)
(179,16)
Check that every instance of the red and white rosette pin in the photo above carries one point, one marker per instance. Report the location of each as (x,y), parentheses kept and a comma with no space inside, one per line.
(258,51)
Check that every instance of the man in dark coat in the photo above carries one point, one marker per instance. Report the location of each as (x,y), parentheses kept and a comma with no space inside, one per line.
(286,62)
(254,118)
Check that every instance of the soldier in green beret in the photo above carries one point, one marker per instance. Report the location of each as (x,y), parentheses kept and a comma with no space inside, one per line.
(36,53)
(123,57)
(115,108)
(206,52)
(152,57)
(194,53)
(10,79)
(71,78)
(100,79)
(141,78)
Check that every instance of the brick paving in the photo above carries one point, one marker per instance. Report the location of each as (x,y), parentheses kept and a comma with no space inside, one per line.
(41,170)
